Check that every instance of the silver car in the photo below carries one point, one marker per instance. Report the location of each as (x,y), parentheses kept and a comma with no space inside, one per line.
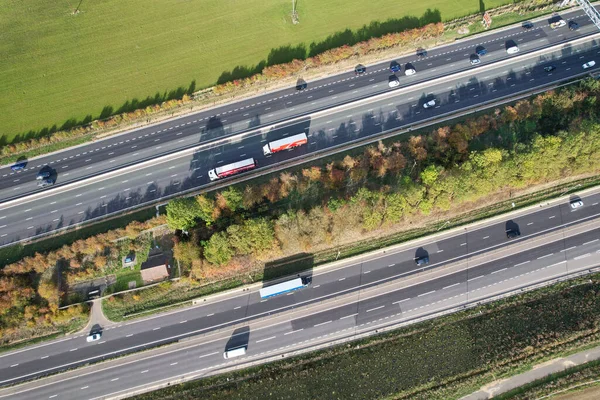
(429,104)
(589,64)
(45,182)
(576,204)
(93,337)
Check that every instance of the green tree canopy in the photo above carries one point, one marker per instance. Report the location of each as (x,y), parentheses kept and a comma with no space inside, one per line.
(182,213)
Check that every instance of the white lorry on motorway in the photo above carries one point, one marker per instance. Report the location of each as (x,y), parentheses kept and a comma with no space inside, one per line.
(285,144)
(231,169)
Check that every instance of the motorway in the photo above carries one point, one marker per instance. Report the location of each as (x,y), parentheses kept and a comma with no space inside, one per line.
(524,262)
(38,214)
(246,306)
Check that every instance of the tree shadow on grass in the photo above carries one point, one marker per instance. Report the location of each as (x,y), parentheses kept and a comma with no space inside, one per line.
(285,54)
(106,112)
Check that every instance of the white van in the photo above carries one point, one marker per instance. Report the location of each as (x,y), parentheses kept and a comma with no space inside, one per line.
(240,351)
(512,50)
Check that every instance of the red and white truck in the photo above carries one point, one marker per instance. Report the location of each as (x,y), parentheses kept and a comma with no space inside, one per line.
(231,169)
(285,144)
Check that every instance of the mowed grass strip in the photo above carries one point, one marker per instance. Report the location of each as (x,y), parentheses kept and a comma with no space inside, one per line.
(441,359)
(58,66)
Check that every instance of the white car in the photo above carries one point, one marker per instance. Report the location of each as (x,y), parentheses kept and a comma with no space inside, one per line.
(94,336)
(410,71)
(589,64)
(576,204)
(558,24)
(512,50)
(393,82)
(475,60)
(429,104)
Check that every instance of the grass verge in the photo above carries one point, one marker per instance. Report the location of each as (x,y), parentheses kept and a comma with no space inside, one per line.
(47,333)
(443,358)
(575,379)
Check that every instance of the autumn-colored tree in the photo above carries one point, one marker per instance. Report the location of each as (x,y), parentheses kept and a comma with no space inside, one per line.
(416,146)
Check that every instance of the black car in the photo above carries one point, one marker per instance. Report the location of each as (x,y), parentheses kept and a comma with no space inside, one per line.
(43,174)
(301,85)
(549,68)
(360,69)
(512,233)
(421,52)
(527,25)
(573,25)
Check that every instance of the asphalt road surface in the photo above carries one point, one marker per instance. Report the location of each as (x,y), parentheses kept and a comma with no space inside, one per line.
(149,142)
(165,328)
(569,251)
(42,213)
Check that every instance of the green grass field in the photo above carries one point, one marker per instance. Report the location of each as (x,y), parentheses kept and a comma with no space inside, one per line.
(57,66)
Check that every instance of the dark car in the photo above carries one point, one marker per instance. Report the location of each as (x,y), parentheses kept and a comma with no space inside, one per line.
(422,260)
(481,51)
(43,174)
(395,67)
(573,25)
(360,69)
(19,166)
(527,25)
(512,233)
(549,68)
(301,85)
(421,52)
(46,182)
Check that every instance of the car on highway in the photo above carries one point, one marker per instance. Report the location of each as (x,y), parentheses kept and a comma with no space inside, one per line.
(480,51)
(93,336)
(393,81)
(475,59)
(573,25)
(395,67)
(512,48)
(301,85)
(409,70)
(527,25)
(421,52)
(239,351)
(360,69)
(19,166)
(549,68)
(45,183)
(512,233)
(429,104)
(557,24)
(576,204)
(43,174)
(589,64)
(424,260)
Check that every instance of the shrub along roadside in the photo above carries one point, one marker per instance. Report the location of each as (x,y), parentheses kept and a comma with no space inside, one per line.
(440,359)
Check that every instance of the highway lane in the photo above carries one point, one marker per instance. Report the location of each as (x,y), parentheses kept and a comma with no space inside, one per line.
(137,335)
(46,212)
(146,143)
(371,310)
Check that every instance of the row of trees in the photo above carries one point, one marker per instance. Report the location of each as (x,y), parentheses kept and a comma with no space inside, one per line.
(408,39)
(393,185)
